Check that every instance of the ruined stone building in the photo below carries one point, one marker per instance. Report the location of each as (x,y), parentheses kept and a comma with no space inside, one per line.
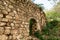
(17,17)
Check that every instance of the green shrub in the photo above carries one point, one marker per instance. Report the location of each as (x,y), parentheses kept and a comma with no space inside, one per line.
(49,30)
(38,35)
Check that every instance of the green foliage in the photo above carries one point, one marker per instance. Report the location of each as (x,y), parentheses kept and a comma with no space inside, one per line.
(52,15)
(50,31)
(38,35)
(53,23)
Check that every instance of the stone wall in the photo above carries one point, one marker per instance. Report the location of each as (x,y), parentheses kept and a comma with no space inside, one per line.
(14,19)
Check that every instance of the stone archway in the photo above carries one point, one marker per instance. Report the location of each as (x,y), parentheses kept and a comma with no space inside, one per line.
(32,26)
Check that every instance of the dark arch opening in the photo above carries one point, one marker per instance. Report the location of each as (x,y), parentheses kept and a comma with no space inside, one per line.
(32,24)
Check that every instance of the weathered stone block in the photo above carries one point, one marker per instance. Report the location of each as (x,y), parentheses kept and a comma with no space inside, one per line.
(11,14)
(1,15)
(4,12)
(8,24)
(1,30)
(16,17)
(5,20)
(15,12)
(7,30)
(8,16)
(8,9)
(2,23)
(17,25)
(0,19)
(2,7)
(10,37)
(3,37)
(14,37)
(10,6)
(11,20)
(20,37)
(12,24)
(14,32)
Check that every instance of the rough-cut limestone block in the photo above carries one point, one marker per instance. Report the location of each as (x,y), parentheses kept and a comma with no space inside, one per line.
(0,2)
(3,37)
(11,14)
(0,19)
(8,16)
(7,30)
(1,15)
(14,11)
(26,34)
(5,20)
(15,21)
(10,6)
(14,37)
(8,9)
(23,22)
(16,17)
(15,33)
(13,27)
(11,20)
(10,37)
(1,30)
(2,7)
(4,12)
(12,1)
(8,24)
(2,23)
(18,9)
(12,24)
(5,3)
(19,37)
(22,26)
(27,38)
(17,25)
(20,32)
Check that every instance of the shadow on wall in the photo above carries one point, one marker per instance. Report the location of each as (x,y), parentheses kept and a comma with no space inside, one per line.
(32,26)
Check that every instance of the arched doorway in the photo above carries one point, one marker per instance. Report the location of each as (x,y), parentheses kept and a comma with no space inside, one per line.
(32,26)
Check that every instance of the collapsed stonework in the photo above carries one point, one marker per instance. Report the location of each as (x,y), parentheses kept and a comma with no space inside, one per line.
(15,16)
